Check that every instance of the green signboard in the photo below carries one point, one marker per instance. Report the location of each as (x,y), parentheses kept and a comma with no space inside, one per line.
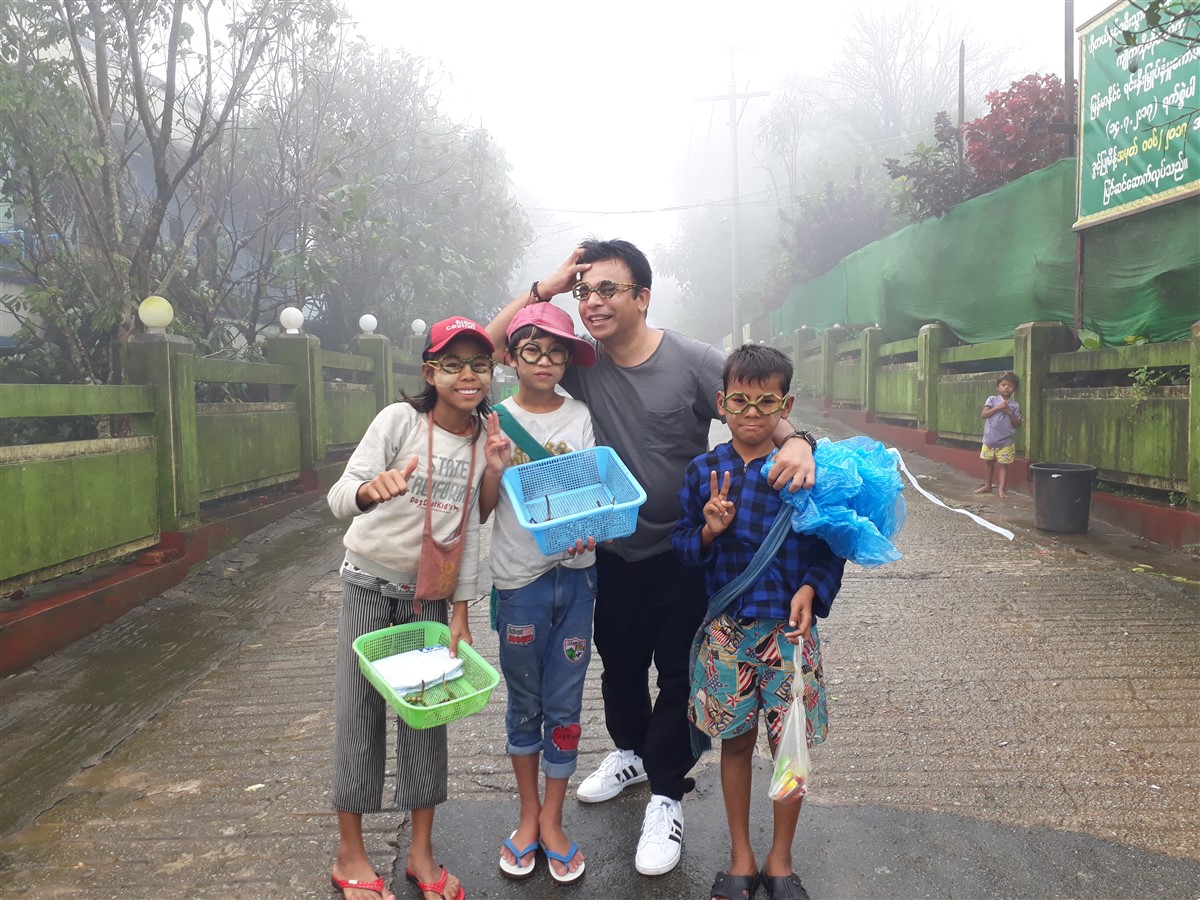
(1139,114)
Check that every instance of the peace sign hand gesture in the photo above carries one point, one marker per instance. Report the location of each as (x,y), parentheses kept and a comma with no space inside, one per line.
(497,448)
(718,511)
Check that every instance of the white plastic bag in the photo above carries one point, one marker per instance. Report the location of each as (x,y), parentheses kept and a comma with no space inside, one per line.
(415,668)
(789,783)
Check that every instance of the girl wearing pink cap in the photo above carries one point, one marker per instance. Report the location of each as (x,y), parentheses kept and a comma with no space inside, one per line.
(545,603)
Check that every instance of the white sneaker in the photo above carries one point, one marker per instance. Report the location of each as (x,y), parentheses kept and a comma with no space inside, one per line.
(618,770)
(662,836)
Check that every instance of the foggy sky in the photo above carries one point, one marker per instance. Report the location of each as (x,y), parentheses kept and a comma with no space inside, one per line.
(597,107)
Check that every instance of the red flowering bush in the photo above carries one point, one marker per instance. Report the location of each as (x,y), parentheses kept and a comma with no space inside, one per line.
(1015,138)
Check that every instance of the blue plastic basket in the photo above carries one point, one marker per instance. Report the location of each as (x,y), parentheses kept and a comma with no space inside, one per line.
(576,495)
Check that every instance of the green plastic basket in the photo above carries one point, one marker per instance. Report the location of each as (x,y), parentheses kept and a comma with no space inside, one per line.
(441,703)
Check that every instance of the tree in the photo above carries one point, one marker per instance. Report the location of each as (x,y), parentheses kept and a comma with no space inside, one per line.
(275,161)
(363,197)
(931,182)
(1173,21)
(839,216)
(781,135)
(698,259)
(111,107)
(900,66)
(1016,136)
(1021,133)
(1168,20)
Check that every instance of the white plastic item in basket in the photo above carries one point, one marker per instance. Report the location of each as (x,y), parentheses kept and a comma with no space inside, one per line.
(575,496)
(413,669)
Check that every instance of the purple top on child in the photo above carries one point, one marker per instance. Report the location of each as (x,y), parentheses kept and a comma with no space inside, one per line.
(998,429)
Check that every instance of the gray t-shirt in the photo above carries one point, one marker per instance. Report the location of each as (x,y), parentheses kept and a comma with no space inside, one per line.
(656,416)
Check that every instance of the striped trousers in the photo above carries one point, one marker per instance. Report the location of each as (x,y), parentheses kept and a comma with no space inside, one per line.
(360,715)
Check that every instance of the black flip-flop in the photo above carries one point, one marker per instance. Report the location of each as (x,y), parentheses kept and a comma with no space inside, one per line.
(734,887)
(783,887)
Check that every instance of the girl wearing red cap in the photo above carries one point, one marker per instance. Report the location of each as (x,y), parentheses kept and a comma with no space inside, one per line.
(412,490)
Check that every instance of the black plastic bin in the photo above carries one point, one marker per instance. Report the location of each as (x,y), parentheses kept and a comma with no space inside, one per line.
(1062,496)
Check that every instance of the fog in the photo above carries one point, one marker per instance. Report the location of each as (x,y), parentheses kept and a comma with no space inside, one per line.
(602,111)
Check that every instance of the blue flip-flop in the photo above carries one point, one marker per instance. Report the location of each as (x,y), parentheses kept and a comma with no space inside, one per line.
(516,871)
(565,859)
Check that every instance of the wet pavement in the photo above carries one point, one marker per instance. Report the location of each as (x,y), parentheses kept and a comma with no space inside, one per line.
(1008,719)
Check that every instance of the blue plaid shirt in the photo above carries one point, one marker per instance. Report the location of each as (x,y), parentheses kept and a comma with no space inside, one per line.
(802,559)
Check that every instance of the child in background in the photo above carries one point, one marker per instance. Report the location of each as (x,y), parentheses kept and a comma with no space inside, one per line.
(1001,418)
(544,612)
(412,488)
(746,662)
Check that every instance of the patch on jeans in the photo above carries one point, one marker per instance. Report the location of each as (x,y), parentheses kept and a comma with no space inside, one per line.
(566,737)
(519,634)
(574,649)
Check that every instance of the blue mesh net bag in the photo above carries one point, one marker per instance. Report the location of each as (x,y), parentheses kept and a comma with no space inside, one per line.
(857,505)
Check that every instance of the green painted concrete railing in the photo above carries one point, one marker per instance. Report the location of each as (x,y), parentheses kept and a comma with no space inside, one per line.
(1132,412)
(72,504)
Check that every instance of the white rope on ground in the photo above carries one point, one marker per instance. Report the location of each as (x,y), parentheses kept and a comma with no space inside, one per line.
(984,522)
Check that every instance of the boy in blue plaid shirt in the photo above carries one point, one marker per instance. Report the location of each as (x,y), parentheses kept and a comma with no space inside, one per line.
(746,661)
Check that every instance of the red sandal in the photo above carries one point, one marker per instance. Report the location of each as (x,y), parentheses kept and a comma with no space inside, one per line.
(344,884)
(438,887)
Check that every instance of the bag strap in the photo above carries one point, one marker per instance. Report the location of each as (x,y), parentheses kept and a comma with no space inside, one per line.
(762,558)
(724,598)
(524,440)
(466,502)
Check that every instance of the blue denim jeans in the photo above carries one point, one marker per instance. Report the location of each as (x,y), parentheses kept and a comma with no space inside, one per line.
(545,631)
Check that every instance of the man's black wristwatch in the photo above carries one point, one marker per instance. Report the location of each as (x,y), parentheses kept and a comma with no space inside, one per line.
(812,441)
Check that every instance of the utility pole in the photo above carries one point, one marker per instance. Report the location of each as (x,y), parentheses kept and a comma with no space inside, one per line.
(1069,74)
(1069,102)
(735,337)
(962,114)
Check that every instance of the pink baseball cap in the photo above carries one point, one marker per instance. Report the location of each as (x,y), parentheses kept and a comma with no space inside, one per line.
(549,318)
(443,332)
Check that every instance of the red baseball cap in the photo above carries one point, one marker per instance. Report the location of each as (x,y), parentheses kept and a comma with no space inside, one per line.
(552,320)
(443,332)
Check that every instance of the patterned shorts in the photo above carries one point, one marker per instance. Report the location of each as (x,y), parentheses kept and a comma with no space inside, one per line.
(746,665)
(1003,455)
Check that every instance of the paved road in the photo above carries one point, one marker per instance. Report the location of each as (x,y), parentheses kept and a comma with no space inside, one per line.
(1008,720)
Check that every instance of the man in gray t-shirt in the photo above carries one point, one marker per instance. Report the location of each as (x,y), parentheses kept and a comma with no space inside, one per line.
(653,414)
(652,396)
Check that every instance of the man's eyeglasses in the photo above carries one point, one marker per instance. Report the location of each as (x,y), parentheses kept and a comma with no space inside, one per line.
(452,365)
(532,354)
(606,289)
(767,404)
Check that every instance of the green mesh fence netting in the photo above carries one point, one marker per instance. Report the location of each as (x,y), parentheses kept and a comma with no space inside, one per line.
(1008,257)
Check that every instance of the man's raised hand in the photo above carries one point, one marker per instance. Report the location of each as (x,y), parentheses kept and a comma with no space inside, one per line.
(794,463)
(562,279)
(387,484)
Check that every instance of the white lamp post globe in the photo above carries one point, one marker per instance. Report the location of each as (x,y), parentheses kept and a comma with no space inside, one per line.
(418,326)
(156,313)
(368,323)
(291,319)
